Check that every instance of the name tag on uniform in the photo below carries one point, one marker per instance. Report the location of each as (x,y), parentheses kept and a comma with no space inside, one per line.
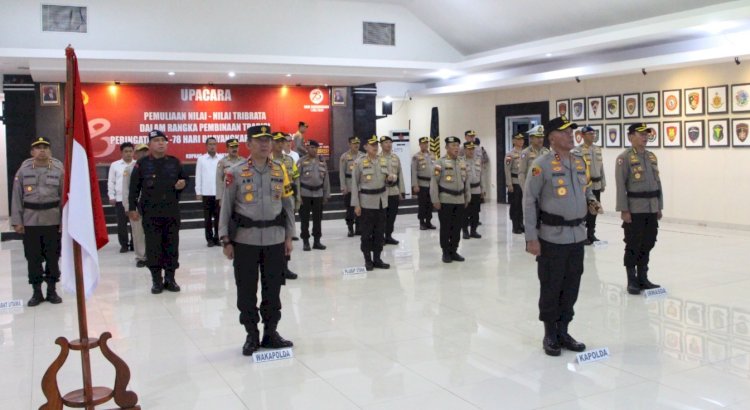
(652,294)
(593,356)
(273,355)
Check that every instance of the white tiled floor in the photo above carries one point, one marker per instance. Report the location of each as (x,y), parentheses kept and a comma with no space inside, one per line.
(422,335)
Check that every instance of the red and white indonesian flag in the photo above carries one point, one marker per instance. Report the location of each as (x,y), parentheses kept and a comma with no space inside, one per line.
(82,212)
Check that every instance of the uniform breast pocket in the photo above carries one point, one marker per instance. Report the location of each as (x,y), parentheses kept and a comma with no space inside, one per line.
(149,181)
(30,183)
(247,193)
(368,174)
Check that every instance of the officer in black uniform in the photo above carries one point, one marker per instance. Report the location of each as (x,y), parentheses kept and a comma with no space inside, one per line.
(158,180)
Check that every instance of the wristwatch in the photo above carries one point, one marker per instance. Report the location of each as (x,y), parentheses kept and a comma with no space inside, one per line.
(225,241)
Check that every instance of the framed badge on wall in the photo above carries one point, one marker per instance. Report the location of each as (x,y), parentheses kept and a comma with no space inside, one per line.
(612,107)
(598,134)
(671,134)
(578,109)
(654,140)
(718,133)
(716,98)
(650,104)
(562,107)
(694,101)
(740,97)
(671,103)
(694,134)
(631,105)
(739,132)
(594,106)
(613,136)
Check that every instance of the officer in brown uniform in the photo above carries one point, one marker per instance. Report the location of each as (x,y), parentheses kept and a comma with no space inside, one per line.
(256,226)
(278,155)
(535,149)
(314,189)
(476,187)
(515,191)
(592,154)
(394,186)
(35,214)
(231,159)
(640,201)
(370,199)
(421,175)
(346,167)
(450,195)
(556,201)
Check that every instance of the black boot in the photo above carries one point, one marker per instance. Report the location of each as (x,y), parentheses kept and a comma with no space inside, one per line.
(368,261)
(430,225)
(474,234)
(466,233)
(273,340)
(252,341)
(52,296)
(423,226)
(456,257)
(566,340)
(643,281)
(157,281)
(306,245)
(550,343)
(633,287)
(169,282)
(389,240)
(350,232)
(378,263)
(318,245)
(447,257)
(288,274)
(36,297)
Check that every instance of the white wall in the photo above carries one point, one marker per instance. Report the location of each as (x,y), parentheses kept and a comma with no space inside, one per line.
(314,28)
(709,185)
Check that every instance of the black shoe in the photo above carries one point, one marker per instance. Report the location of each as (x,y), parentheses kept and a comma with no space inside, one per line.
(273,340)
(357,232)
(588,242)
(594,239)
(52,296)
(466,235)
(290,275)
(447,258)
(170,284)
(634,288)
(517,231)
(140,264)
(319,246)
(210,244)
(350,233)
(431,226)
(456,257)
(475,235)
(643,282)
(423,227)
(251,345)
(294,238)
(390,241)
(550,343)
(369,266)
(217,242)
(36,297)
(123,249)
(378,263)
(566,340)
(479,223)
(306,245)
(156,286)
(130,248)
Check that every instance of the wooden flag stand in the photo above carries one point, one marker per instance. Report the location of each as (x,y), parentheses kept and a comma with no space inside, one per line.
(88,396)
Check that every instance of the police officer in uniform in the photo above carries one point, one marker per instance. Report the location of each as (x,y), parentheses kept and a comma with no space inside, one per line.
(155,186)
(139,238)
(557,199)
(370,199)
(35,214)
(394,186)
(535,149)
(450,194)
(300,146)
(476,187)
(421,175)
(515,192)
(592,154)
(640,201)
(256,227)
(346,166)
(278,155)
(231,159)
(314,191)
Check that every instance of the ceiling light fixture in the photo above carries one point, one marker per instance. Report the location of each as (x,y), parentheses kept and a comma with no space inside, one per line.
(388,99)
(231,74)
(288,75)
(171,73)
(548,55)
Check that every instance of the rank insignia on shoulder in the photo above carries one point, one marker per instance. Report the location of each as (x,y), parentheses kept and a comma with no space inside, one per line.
(536,171)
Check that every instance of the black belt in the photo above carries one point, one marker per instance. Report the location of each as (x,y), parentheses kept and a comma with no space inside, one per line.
(245,222)
(347,175)
(475,185)
(394,183)
(647,194)
(372,191)
(596,179)
(512,175)
(41,206)
(450,191)
(310,187)
(557,220)
(424,178)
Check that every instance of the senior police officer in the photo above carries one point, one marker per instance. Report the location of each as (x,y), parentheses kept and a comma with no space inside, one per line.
(557,198)
(592,154)
(369,199)
(278,155)
(314,191)
(139,238)
(346,167)
(512,183)
(155,186)
(256,226)
(450,195)
(35,214)
(421,175)
(535,149)
(640,201)
(231,159)
(394,186)
(476,187)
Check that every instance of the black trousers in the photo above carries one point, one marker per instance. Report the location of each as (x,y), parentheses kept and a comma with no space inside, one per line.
(211,218)
(391,212)
(424,212)
(123,228)
(591,219)
(312,206)
(452,217)
(372,224)
(559,268)
(249,262)
(472,212)
(516,206)
(41,244)
(640,238)
(162,242)
(351,218)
